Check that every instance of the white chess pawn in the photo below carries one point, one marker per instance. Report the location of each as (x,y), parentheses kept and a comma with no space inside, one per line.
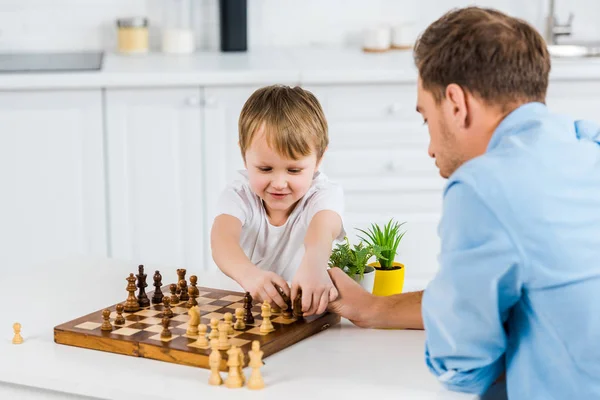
(214,361)
(234,379)
(266,325)
(239,319)
(202,341)
(224,337)
(228,317)
(214,329)
(255,381)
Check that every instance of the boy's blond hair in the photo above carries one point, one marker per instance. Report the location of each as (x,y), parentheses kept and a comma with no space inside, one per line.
(294,122)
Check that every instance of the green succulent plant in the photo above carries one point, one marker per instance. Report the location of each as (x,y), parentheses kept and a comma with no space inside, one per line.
(387,238)
(353,260)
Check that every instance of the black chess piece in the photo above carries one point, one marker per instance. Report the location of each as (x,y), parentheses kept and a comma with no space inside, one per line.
(142,285)
(158,294)
(248,317)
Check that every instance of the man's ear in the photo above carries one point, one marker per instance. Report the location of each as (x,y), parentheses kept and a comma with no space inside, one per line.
(457,100)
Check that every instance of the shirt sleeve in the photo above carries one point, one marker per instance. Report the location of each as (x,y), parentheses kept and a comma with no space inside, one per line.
(465,306)
(329,197)
(235,201)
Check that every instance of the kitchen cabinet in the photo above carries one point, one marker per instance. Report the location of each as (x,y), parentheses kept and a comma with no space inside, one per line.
(156,172)
(52,174)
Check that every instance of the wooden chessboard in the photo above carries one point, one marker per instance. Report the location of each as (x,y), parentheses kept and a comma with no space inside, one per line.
(140,335)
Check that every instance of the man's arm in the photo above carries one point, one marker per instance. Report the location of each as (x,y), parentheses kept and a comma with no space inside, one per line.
(400,311)
(311,277)
(466,304)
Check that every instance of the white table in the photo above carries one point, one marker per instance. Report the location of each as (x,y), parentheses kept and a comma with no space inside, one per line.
(343,360)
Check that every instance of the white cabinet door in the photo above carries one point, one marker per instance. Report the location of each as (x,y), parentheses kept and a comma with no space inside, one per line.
(579,100)
(52,176)
(155,176)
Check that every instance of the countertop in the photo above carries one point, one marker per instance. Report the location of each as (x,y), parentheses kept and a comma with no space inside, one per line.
(340,361)
(304,66)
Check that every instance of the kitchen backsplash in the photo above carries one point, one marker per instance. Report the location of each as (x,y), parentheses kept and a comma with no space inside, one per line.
(89,24)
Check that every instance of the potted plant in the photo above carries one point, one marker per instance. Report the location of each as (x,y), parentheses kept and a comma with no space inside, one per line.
(389,274)
(354,260)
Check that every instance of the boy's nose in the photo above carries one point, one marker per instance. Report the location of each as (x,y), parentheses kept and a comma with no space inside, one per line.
(279,183)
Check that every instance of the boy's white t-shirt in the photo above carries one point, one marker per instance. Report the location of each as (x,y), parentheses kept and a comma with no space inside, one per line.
(278,248)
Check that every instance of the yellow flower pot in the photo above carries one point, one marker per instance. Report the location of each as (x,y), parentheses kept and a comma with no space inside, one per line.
(388,281)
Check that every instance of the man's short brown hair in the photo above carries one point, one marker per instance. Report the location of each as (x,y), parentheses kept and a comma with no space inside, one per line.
(293,120)
(501,59)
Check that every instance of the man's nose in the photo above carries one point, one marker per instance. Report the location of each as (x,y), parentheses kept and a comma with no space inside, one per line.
(431,152)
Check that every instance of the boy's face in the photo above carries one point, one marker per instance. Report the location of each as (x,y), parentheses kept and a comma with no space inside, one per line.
(279,181)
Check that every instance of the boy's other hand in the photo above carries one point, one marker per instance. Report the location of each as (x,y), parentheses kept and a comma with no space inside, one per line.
(262,287)
(317,289)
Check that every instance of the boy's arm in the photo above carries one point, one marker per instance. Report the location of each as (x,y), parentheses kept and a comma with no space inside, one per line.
(312,277)
(231,259)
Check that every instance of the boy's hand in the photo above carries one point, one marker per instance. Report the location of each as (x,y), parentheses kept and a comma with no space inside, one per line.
(317,288)
(262,286)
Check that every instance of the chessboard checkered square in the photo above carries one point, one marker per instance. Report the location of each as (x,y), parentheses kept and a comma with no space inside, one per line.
(204,300)
(126,331)
(212,315)
(238,342)
(157,337)
(236,305)
(147,313)
(181,318)
(221,303)
(180,310)
(126,323)
(233,298)
(151,321)
(256,331)
(88,325)
(208,308)
(154,328)
(284,321)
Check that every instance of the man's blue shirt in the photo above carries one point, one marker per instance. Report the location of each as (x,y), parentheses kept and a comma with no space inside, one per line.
(518,287)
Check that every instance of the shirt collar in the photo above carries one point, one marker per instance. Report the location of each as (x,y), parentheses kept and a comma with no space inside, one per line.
(511,123)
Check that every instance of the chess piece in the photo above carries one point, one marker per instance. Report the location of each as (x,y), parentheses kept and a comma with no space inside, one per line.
(297,312)
(194,314)
(183,296)
(266,325)
(228,317)
(223,337)
(202,341)
(193,291)
(131,304)
(241,367)
(106,326)
(255,382)
(167,312)
(248,318)
(234,379)
(158,294)
(180,277)
(287,310)
(275,309)
(214,361)
(120,320)
(174,297)
(142,285)
(239,319)
(214,329)
(166,333)
(17,338)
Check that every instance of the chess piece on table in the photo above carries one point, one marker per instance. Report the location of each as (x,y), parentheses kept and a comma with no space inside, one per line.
(287,310)
(142,285)
(248,318)
(214,329)
(17,338)
(255,381)
(166,333)
(158,294)
(120,320)
(167,312)
(239,319)
(194,314)
(266,325)
(223,337)
(241,367)
(180,277)
(234,379)
(193,292)
(202,340)
(298,305)
(228,317)
(106,326)
(214,361)
(174,297)
(131,304)
(183,296)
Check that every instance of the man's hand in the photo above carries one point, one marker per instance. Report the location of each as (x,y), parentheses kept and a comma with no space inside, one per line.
(316,286)
(353,302)
(262,286)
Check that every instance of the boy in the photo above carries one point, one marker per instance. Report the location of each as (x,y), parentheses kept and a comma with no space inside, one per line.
(278,221)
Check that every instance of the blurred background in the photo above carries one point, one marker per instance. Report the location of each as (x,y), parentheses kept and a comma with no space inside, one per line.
(118,119)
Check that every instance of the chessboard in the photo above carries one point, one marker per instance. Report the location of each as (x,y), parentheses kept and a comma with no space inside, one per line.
(140,334)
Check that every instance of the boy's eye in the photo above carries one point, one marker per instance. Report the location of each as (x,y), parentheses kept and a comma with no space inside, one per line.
(264,169)
(294,171)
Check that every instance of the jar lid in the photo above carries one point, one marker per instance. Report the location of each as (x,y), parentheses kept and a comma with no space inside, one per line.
(132,22)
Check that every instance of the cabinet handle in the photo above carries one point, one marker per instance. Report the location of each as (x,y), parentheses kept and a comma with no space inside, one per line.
(192,101)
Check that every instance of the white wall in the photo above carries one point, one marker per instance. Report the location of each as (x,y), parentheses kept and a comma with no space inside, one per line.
(89,24)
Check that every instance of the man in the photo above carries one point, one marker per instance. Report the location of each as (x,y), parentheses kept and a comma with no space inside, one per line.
(518,286)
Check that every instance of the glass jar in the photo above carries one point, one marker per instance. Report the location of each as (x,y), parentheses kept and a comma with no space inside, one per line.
(177,27)
(132,36)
